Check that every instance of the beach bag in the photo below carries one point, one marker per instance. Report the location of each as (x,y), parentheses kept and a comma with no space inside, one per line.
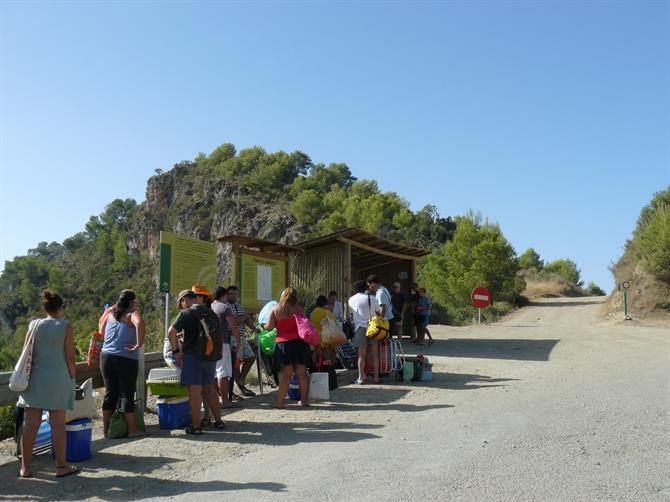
(378,327)
(331,335)
(20,378)
(209,344)
(84,403)
(306,331)
(267,341)
(318,386)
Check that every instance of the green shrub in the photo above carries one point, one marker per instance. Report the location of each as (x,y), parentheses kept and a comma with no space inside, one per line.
(653,244)
(595,290)
(7,418)
(567,269)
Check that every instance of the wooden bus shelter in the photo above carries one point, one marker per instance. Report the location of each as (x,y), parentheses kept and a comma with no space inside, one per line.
(352,254)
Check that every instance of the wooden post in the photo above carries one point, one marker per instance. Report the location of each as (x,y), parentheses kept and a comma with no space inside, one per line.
(346,292)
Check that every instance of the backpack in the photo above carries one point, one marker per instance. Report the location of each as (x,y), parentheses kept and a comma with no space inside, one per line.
(209,344)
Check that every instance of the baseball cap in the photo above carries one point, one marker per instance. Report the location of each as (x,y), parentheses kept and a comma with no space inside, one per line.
(185,293)
(396,284)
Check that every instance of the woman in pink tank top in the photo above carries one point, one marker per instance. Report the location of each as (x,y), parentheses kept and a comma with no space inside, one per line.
(291,355)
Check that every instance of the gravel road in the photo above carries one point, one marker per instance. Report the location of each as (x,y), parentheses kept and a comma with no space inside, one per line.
(551,404)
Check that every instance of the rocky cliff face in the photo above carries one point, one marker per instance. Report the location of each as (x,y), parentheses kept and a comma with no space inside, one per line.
(205,208)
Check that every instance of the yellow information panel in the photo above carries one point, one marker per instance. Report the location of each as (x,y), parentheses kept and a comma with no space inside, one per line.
(260,279)
(185,262)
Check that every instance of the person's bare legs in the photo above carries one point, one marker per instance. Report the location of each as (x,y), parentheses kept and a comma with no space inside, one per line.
(133,431)
(33,421)
(106,415)
(224,384)
(247,364)
(374,346)
(300,371)
(57,423)
(194,402)
(284,381)
(212,399)
(430,338)
(361,363)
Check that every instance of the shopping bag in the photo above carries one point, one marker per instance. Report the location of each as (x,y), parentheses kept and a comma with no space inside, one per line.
(378,329)
(318,386)
(331,335)
(84,407)
(20,378)
(118,428)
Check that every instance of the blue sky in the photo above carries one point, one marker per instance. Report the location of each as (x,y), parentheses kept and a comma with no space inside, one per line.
(551,118)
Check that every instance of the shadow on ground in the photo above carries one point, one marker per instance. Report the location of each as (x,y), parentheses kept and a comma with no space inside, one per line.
(139,483)
(491,348)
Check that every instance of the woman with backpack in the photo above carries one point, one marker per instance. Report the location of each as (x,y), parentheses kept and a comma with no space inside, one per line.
(292,355)
(119,360)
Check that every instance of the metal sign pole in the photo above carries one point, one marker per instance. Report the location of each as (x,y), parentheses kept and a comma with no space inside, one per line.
(259,362)
(479,319)
(167,313)
(625,304)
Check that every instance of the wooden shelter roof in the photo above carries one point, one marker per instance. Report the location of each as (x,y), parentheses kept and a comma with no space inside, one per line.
(259,244)
(366,246)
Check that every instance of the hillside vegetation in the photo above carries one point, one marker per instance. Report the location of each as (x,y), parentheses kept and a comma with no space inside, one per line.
(277,196)
(645,263)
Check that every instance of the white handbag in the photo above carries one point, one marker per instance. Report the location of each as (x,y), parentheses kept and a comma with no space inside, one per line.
(318,386)
(20,378)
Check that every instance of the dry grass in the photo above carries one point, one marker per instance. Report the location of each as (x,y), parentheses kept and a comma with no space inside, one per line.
(547,285)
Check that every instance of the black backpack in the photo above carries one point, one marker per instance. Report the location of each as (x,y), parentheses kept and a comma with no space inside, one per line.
(209,343)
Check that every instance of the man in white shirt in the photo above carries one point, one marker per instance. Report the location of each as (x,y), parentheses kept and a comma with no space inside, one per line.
(383,298)
(363,307)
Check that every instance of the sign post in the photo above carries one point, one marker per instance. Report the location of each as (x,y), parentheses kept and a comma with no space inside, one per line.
(625,285)
(481,298)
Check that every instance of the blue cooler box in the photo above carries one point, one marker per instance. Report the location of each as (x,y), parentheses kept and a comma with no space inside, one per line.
(78,435)
(294,389)
(173,412)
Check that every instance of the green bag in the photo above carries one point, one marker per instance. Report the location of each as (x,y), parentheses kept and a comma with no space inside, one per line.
(118,428)
(267,341)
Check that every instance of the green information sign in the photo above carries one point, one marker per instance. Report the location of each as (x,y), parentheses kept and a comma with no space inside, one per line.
(260,280)
(185,262)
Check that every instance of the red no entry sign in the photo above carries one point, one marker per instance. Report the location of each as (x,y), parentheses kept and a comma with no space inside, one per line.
(481,298)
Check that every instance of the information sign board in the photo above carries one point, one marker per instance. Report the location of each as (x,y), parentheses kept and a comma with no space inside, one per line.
(260,279)
(185,262)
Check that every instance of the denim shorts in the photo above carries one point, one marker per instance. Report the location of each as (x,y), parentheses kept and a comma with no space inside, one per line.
(196,371)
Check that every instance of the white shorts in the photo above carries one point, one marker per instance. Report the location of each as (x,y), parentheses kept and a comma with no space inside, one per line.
(224,366)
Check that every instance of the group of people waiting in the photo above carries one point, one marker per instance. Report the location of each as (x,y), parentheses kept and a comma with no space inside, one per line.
(210,382)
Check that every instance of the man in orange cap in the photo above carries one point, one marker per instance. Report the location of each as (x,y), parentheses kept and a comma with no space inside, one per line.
(198,369)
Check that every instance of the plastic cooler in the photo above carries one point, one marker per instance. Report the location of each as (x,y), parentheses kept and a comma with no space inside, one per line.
(294,389)
(173,412)
(165,382)
(43,439)
(78,435)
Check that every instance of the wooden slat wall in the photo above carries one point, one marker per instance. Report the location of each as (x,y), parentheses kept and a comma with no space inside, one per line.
(390,273)
(332,259)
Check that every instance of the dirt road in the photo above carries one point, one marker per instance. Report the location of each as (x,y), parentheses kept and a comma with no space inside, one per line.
(551,404)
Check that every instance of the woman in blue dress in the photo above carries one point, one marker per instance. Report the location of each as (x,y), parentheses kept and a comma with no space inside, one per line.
(51,385)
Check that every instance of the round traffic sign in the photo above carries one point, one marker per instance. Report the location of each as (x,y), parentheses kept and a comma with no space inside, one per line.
(625,284)
(481,298)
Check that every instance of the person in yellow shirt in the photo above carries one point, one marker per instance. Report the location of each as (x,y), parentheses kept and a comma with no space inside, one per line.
(319,313)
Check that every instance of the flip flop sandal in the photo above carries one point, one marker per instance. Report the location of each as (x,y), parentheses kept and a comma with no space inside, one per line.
(219,425)
(196,431)
(205,422)
(140,434)
(246,391)
(71,469)
(27,476)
